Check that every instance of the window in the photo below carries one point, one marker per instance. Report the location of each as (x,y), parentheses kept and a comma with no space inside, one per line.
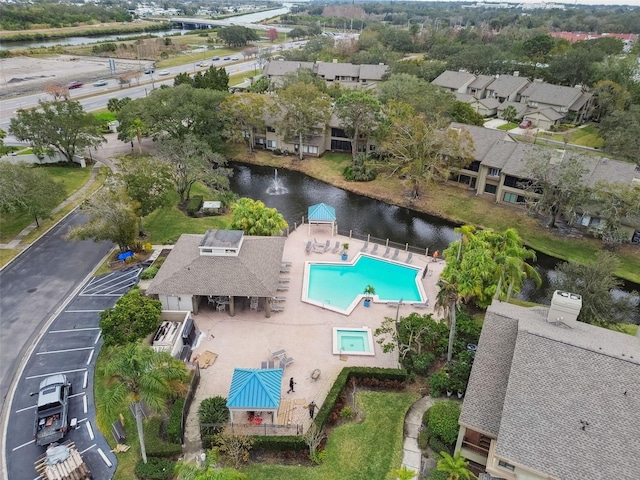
(372,148)
(488,188)
(513,198)
(260,141)
(338,132)
(308,149)
(465,179)
(271,129)
(341,145)
(533,104)
(473,166)
(494,172)
(506,466)
(271,144)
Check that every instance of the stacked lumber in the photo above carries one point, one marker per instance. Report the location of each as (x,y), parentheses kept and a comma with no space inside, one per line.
(73,468)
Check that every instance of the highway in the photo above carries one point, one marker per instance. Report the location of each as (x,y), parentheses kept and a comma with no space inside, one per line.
(95,98)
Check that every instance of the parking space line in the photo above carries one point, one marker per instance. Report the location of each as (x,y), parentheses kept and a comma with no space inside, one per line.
(98,337)
(66,350)
(90,357)
(82,311)
(26,408)
(23,445)
(87,449)
(90,430)
(104,458)
(86,378)
(31,377)
(84,401)
(69,330)
(77,395)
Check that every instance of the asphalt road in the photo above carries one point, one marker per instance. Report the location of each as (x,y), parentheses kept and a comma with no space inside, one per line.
(32,288)
(69,346)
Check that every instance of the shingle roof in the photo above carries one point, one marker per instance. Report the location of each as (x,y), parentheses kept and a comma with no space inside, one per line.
(489,102)
(581,100)
(253,389)
(451,79)
(550,113)
(279,68)
(552,94)
(464,97)
(483,138)
(520,107)
(481,81)
(505,85)
(329,70)
(373,72)
(500,154)
(253,273)
(557,377)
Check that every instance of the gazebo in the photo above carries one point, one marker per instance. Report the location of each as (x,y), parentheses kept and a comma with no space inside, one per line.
(254,390)
(322,214)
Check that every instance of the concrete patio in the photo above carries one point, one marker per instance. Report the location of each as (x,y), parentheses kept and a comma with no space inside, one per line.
(304,331)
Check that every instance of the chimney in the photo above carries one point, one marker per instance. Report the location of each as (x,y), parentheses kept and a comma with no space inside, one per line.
(564,308)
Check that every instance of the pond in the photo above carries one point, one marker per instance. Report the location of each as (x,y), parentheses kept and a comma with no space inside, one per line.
(291,193)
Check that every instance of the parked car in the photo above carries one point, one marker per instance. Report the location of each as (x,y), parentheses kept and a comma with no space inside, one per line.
(73,85)
(162,73)
(100,83)
(526,124)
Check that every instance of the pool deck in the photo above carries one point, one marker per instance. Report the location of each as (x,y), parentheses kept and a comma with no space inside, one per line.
(303,330)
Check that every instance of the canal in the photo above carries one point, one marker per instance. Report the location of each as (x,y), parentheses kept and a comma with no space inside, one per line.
(367,216)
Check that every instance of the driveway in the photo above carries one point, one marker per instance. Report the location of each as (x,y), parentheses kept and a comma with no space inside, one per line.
(32,288)
(69,346)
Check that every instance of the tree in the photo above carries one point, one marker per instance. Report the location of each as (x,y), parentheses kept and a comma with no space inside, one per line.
(213,78)
(115,104)
(254,218)
(148,182)
(57,126)
(191,160)
(614,202)
(244,113)
(555,186)
(304,109)
(621,133)
(208,471)
(183,78)
(237,36)
(302,75)
(510,114)
(24,188)
(58,92)
(464,113)
(609,97)
(360,115)
(420,151)
(313,437)
(137,374)
(133,317)
(236,446)
(272,34)
(537,48)
(135,129)
(595,282)
(111,217)
(213,414)
(455,467)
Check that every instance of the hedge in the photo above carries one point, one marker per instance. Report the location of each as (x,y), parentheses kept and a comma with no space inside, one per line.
(443,421)
(156,446)
(155,469)
(281,443)
(194,204)
(174,430)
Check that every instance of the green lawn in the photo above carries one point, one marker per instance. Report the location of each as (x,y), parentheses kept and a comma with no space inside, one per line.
(165,225)
(73,179)
(357,451)
(586,136)
(508,126)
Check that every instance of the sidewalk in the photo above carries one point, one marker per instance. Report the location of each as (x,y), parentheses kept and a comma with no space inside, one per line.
(412,455)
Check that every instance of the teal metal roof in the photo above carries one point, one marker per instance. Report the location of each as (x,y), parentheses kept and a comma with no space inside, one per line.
(321,212)
(253,389)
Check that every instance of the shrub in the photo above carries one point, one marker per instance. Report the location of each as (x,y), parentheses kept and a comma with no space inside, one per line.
(438,445)
(423,439)
(359,173)
(149,273)
(155,469)
(133,317)
(174,426)
(422,362)
(346,412)
(156,446)
(436,474)
(438,383)
(443,421)
(194,204)
(212,410)
(282,443)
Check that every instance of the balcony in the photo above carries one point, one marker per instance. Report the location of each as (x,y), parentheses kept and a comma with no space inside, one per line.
(481,447)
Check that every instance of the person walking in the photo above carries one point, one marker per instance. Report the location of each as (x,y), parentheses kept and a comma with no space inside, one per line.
(312,408)
(291,385)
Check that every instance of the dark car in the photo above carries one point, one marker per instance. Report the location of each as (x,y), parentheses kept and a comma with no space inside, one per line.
(215,59)
(73,85)
(227,58)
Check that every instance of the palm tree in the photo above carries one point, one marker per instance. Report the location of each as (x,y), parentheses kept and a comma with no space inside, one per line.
(455,466)
(136,130)
(510,114)
(136,374)
(447,300)
(401,474)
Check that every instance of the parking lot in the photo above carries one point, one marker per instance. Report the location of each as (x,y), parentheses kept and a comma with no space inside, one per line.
(69,346)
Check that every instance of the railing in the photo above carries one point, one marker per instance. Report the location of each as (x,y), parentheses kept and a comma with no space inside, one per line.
(262,430)
(475,448)
(405,247)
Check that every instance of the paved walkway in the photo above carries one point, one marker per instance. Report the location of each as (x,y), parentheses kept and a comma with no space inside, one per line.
(412,455)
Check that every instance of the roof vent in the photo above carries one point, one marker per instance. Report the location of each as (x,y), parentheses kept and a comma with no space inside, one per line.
(565,308)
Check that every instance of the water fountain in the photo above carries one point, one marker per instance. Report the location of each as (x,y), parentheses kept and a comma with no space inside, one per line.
(276,187)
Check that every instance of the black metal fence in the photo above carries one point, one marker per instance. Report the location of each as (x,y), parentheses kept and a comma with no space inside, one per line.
(262,430)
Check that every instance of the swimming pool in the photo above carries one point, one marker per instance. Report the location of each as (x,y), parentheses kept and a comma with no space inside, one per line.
(352,341)
(339,286)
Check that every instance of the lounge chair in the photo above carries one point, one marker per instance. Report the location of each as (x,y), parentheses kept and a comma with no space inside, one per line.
(386,252)
(284,280)
(277,308)
(285,362)
(395,254)
(409,257)
(282,287)
(336,248)
(279,354)
(365,246)
(309,245)
(327,246)
(422,305)
(285,264)
(392,304)
(278,299)
(285,269)
(375,249)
